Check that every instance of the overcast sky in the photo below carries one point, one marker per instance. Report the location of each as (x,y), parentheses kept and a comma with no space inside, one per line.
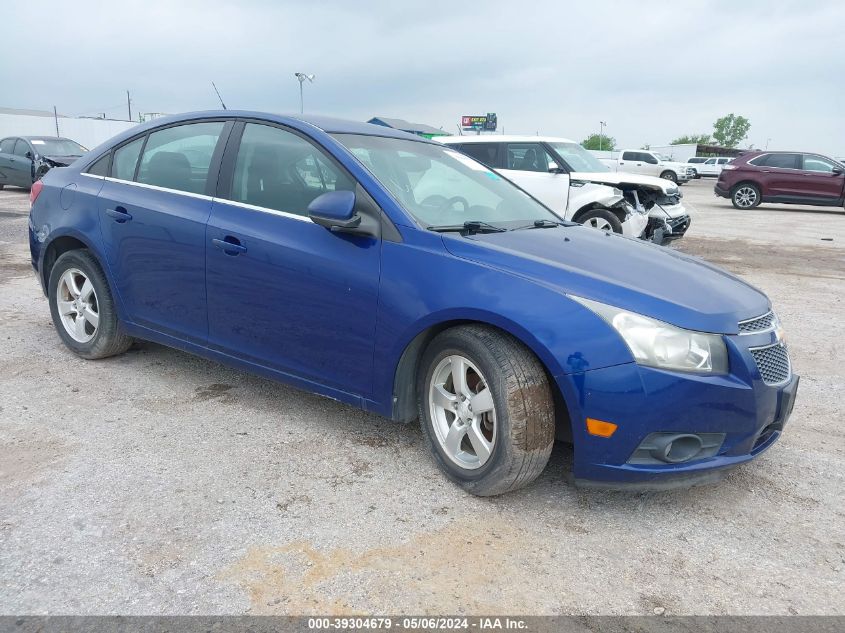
(652,70)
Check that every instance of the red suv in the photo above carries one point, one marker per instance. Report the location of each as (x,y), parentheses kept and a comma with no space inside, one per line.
(785,177)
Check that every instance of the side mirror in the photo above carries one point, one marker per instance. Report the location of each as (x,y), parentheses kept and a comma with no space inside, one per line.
(554,168)
(335,210)
(29,155)
(836,171)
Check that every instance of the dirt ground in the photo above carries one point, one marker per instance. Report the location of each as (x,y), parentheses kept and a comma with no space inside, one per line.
(160,483)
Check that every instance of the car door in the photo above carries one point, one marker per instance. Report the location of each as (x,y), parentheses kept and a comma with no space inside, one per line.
(532,167)
(284,292)
(153,210)
(7,148)
(20,166)
(781,176)
(822,179)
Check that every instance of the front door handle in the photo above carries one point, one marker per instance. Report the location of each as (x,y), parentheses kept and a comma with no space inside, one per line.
(229,245)
(119,214)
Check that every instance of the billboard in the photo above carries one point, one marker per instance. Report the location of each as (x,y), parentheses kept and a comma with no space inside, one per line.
(485,123)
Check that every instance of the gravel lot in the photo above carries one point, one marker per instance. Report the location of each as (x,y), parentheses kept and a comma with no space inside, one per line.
(160,483)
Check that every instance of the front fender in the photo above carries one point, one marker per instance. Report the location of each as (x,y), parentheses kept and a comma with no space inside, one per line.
(424,286)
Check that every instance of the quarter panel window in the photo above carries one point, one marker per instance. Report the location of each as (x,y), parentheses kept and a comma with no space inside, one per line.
(100,167)
(179,157)
(125,160)
(528,157)
(279,170)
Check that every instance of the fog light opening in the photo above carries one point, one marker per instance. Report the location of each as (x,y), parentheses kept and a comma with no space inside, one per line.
(677,448)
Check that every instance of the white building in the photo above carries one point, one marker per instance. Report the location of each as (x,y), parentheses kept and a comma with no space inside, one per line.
(88,132)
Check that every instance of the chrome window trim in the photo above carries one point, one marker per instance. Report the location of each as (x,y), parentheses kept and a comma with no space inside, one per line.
(85,173)
(190,194)
(244,205)
(252,207)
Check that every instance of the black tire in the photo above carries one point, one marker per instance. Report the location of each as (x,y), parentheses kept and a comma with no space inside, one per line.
(108,339)
(601,214)
(2,187)
(525,421)
(741,193)
(669,175)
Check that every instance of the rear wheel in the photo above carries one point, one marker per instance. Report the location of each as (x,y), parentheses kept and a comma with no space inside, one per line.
(745,196)
(486,409)
(669,175)
(601,219)
(82,307)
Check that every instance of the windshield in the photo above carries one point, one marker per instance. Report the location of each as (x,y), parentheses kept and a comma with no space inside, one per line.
(577,158)
(57,147)
(439,186)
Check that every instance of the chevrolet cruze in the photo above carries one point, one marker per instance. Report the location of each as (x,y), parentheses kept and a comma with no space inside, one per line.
(400,276)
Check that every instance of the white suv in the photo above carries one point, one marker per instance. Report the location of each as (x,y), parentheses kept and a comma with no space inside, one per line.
(564,176)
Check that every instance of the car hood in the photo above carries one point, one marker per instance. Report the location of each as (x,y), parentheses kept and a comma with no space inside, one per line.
(617,179)
(60,160)
(652,280)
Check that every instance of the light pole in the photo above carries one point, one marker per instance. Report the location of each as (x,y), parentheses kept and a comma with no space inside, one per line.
(302,77)
(767,142)
(602,125)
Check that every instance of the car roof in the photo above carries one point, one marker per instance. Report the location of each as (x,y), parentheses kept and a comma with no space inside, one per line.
(502,138)
(330,125)
(46,138)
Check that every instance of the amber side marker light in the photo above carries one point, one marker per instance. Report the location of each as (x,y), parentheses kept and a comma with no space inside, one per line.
(600,428)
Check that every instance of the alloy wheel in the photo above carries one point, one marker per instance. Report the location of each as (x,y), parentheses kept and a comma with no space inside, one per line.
(463,414)
(77,304)
(598,223)
(745,197)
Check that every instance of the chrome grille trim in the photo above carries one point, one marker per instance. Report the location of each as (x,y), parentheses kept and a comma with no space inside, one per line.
(773,363)
(763,323)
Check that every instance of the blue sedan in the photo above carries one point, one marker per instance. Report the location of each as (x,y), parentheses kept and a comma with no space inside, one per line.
(400,276)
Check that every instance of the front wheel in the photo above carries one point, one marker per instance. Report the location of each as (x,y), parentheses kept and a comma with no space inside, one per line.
(82,307)
(486,409)
(669,175)
(745,196)
(601,219)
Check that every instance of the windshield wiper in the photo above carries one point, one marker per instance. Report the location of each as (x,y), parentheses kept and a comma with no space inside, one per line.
(470,226)
(539,224)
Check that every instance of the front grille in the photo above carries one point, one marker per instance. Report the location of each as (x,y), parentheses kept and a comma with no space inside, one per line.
(757,324)
(772,363)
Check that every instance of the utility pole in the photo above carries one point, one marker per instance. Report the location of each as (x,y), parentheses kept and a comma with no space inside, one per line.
(128,105)
(56,118)
(602,125)
(302,77)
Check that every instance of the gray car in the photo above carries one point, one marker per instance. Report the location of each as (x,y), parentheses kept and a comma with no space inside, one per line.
(25,159)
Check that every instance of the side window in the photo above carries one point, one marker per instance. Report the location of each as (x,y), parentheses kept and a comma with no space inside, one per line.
(528,157)
(817,163)
(7,146)
(179,157)
(125,160)
(782,161)
(723,161)
(101,166)
(630,156)
(484,153)
(648,158)
(279,170)
(710,161)
(21,147)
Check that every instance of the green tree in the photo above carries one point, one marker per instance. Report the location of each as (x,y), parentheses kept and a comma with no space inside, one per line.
(599,141)
(696,139)
(730,130)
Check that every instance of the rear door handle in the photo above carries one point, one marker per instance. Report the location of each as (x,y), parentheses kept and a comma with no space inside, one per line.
(229,245)
(119,214)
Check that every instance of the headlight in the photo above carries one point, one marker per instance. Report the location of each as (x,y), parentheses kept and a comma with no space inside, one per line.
(658,344)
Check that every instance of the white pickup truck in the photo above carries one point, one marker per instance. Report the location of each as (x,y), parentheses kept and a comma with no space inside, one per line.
(647,163)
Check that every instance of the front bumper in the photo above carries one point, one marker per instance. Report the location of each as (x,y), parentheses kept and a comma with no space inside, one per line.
(642,401)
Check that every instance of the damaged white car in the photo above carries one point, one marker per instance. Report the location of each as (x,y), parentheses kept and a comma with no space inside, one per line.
(572,182)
